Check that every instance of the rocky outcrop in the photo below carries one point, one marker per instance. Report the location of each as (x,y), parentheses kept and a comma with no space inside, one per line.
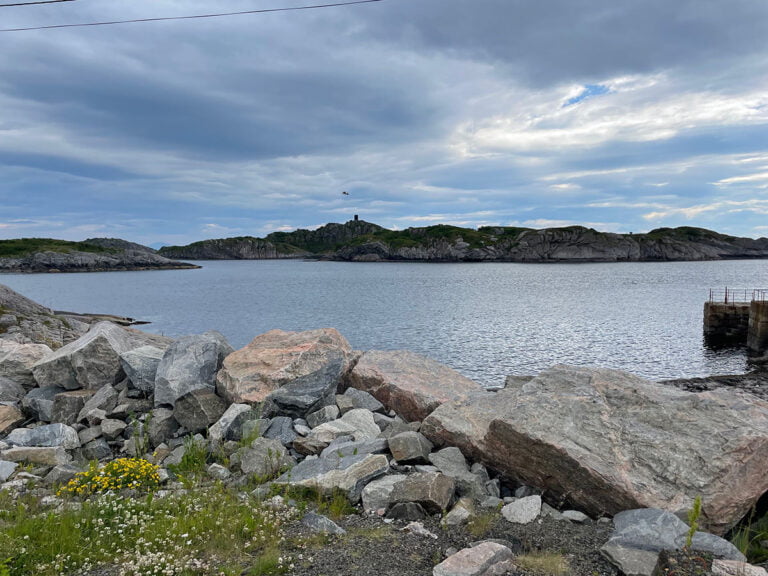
(609,441)
(109,254)
(190,363)
(278,358)
(360,241)
(571,244)
(240,248)
(93,360)
(25,321)
(410,384)
(640,535)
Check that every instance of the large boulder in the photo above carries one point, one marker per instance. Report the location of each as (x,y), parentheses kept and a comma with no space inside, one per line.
(16,361)
(93,360)
(67,405)
(410,384)
(306,394)
(640,535)
(10,418)
(190,363)
(199,409)
(431,490)
(350,474)
(10,391)
(314,358)
(38,402)
(140,365)
(610,441)
(26,321)
(50,435)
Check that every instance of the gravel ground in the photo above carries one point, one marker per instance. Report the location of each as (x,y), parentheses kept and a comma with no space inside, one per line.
(372,547)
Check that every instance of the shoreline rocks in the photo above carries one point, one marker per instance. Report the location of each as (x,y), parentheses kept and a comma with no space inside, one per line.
(404,435)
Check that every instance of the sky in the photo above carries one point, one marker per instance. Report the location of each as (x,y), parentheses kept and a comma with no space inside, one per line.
(623,116)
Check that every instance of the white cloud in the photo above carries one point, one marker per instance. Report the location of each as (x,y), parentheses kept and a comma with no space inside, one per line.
(637,110)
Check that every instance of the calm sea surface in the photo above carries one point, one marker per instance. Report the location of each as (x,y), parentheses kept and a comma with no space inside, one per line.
(484,320)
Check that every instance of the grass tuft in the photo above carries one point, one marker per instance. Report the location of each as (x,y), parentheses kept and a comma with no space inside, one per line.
(544,563)
(205,531)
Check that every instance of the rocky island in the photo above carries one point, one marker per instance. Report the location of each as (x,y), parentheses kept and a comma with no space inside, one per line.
(360,241)
(32,255)
(589,469)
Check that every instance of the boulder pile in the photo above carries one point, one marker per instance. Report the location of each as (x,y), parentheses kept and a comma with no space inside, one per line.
(400,435)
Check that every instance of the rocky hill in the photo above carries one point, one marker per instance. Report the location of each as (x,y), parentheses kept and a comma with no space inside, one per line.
(362,241)
(92,255)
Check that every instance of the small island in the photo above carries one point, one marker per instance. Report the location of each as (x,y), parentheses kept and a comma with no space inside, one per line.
(360,241)
(34,255)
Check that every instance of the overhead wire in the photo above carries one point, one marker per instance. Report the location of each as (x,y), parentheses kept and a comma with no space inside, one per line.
(196,16)
(31,3)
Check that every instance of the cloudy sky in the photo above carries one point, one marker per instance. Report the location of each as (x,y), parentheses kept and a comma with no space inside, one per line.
(618,115)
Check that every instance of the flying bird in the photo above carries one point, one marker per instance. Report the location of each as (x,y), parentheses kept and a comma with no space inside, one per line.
(345,193)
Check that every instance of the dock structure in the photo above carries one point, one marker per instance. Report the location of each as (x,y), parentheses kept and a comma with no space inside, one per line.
(737,317)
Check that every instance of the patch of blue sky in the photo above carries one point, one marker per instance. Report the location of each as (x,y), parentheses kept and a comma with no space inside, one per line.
(589,91)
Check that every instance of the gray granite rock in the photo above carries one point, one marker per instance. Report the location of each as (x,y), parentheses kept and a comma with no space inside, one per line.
(105,399)
(321,524)
(190,363)
(349,474)
(112,429)
(198,409)
(67,405)
(486,559)
(337,450)
(87,434)
(38,402)
(61,474)
(140,366)
(162,426)
(522,511)
(281,428)
(11,391)
(219,472)
(639,535)
(45,456)
(97,449)
(433,491)
(230,425)
(91,361)
(264,458)
(16,361)
(451,462)
(49,435)
(6,469)
(354,398)
(376,495)
(323,415)
(307,393)
(410,448)
(461,513)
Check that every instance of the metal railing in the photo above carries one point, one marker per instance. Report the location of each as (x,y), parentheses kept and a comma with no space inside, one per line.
(738,295)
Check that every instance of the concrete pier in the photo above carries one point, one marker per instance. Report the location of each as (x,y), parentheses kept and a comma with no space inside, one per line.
(737,317)
(726,324)
(757,337)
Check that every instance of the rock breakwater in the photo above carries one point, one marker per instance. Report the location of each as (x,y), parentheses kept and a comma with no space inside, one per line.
(400,436)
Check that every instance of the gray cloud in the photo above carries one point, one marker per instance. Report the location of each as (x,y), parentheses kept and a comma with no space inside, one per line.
(423,108)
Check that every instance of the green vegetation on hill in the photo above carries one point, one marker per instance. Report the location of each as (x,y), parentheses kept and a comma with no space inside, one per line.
(687,233)
(20,247)
(348,240)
